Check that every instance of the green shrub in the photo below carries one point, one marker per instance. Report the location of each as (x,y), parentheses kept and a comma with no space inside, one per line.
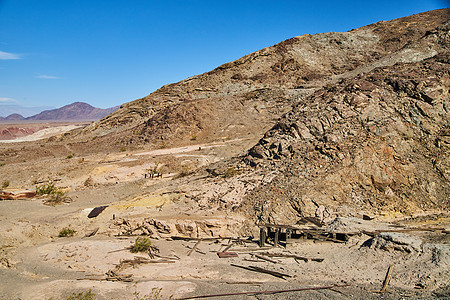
(57,197)
(230,172)
(5,184)
(66,232)
(141,244)
(70,156)
(123,149)
(154,295)
(82,296)
(46,189)
(54,194)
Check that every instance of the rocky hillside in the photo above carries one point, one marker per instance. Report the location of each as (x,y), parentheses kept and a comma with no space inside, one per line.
(251,93)
(74,111)
(375,143)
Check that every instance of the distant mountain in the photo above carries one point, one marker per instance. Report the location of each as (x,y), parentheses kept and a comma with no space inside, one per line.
(75,111)
(8,109)
(13,117)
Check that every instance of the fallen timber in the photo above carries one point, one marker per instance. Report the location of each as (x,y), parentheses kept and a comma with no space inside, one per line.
(306,259)
(267,292)
(261,270)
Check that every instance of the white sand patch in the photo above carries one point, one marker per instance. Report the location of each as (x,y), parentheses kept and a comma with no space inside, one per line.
(43,133)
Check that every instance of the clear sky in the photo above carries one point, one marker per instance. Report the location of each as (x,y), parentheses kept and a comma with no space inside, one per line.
(107,52)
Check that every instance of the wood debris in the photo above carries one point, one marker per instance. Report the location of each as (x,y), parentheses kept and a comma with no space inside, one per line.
(92,233)
(387,278)
(227,254)
(194,248)
(306,259)
(264,258)
(266,292)
(261,270)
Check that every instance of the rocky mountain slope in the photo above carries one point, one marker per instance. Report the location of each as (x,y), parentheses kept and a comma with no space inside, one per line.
(251,93)
(74,111)
(351,122)
(375,143)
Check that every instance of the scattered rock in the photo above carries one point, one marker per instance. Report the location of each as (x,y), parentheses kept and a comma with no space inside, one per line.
(395,241)
(17,194)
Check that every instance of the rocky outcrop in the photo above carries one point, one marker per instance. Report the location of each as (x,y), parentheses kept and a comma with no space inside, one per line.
(12,132)
(376,142)
(16,194)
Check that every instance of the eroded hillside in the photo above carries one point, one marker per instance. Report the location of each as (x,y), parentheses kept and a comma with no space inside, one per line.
(249,94)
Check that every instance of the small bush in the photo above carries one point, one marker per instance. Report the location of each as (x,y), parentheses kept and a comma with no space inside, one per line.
(2,164)
(230,172)
(154,170)
(193,138)
(154,295)
(82,296)
(141,244)
(66,232)
(123,149)
(46,189)
(5,184)
(57,197)
(69,156)
(185,171)
(54,194)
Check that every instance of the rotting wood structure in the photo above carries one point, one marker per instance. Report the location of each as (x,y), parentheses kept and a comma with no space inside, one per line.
(290,234)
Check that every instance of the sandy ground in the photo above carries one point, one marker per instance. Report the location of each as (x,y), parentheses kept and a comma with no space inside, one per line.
(37,264)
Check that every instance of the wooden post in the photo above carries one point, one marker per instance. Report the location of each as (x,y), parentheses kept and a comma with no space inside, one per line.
(262,236)
(275,240)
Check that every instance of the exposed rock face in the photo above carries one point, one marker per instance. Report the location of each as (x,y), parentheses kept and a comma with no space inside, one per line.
(12,132)
(16,194)
(377,142)
(249,94)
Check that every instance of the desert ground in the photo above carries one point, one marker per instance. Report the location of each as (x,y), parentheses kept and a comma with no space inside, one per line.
(187,231)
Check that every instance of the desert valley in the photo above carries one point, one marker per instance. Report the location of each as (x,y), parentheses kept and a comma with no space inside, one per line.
(316,168)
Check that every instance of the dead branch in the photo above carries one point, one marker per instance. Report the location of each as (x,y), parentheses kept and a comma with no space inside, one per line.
(266,292)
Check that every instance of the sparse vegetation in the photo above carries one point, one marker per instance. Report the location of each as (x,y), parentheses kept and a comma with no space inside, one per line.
(185,171)
(230,172)
(154,295)
(141,244)
(82,296)
(54,194)
(123,149)
(46,189)
(2,164)
(70,156)
(153,170)
(5,184)
(67,232)
(193,138)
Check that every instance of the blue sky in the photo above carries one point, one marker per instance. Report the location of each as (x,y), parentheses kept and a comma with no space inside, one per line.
(108,52)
